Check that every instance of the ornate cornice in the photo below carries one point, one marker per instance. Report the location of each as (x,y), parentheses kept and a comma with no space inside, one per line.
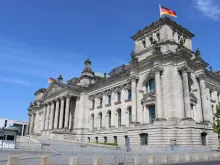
(108,92)
(159,23)
(92,97)
(127,86)
(212,86)
(118,89)
(99,95)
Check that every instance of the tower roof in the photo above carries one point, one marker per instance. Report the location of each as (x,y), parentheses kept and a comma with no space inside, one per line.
(160,22)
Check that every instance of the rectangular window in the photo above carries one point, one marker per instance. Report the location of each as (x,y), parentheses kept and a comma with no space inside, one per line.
(93,104)
(115,139)
(100,121)
(109,99)
(109,119)
(119,96)
(10,137)
(119,118)
(144,139)
(152,85)
(152,113)
(100,102)
(129,94)
(130,116)
(93,122)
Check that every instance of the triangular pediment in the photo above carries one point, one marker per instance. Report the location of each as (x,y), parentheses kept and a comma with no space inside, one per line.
(52,89)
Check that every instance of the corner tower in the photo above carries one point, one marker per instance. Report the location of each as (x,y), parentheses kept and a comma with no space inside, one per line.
(163,35)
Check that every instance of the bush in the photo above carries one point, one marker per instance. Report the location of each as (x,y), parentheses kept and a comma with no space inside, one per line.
(110,144)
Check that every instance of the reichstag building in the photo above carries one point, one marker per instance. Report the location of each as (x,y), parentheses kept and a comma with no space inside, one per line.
(164,93)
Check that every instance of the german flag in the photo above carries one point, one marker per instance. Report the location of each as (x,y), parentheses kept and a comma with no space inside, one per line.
(166,11)
(50,80)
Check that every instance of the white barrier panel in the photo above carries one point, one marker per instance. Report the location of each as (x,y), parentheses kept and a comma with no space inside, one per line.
(151,159)
(136,161)
(45,161)
(98,161)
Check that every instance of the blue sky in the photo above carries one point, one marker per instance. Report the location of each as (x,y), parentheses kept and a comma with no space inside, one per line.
(45,38)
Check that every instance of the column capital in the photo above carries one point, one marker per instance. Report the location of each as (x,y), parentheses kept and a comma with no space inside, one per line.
(157,69)
(62,98)
(68,96)
(133,77)
(201,76)
(184,69)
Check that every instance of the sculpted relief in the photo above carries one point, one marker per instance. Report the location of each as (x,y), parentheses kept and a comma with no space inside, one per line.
(54,89)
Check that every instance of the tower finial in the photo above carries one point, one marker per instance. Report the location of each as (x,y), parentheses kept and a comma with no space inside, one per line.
(60,78)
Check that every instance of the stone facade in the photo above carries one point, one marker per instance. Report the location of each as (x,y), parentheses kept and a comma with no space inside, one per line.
(165,94)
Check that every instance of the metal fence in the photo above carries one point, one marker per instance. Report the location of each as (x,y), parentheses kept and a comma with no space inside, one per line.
(59,154)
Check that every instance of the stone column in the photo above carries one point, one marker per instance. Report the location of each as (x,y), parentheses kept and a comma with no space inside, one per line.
(205,108)
(51,116)
(159,112)
(61,114)
(44,117)
(29,124)
(56,114)
(47,117)
(70,120)
(134,98)
(186,95)
(66,125)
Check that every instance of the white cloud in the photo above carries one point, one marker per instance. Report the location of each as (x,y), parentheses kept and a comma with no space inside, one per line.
(209,8)
(14,81)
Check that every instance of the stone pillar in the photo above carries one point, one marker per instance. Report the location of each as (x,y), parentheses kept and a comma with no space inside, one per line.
(13,161)
(52,116)
(147,115)
(144,114)
(56,114)
(45,161)
(66,125)
(47,117)
(61,114)
(134,98)
(186,95)
(159,112)
(44,118)
(70,120)
(203,96)
(29,124)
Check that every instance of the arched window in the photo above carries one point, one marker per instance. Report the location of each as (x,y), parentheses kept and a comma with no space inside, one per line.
(100,115)
(109,119)
(152,113)
(119,117)
(144,139)
(150,86)
(129,115)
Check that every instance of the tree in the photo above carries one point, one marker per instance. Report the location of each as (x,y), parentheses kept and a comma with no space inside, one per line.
(216,124)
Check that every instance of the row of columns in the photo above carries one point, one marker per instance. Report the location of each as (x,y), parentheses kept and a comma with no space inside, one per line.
(58,119)
(186,94)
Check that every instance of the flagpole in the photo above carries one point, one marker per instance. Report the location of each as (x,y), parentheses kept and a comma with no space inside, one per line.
(160,10)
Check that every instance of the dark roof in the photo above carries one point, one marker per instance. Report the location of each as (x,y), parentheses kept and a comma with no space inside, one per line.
(41,90)
(118,70)
(160,22)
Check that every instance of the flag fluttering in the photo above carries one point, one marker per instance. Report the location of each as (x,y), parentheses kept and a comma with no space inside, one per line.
(166,11)
(50,80)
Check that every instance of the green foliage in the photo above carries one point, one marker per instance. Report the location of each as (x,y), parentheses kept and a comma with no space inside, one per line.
(216,125)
